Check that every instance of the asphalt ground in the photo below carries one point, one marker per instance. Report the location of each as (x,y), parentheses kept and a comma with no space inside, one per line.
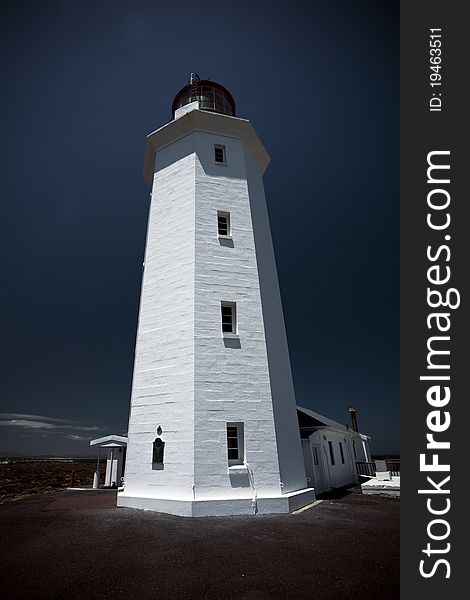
(71,545)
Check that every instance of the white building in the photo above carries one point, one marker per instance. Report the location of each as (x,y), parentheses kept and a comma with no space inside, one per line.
(333,454)
(115,447)
(331,451)
(213,426)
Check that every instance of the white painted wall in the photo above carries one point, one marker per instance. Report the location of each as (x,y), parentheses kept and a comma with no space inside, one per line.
(188,378)
(326,475)
(289,448)
(163,382)
(232,376)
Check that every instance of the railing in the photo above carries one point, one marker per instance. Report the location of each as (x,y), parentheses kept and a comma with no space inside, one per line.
(368,468)
(393,466)
(365,468)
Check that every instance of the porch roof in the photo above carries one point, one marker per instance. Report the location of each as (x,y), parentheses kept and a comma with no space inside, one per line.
(110,441)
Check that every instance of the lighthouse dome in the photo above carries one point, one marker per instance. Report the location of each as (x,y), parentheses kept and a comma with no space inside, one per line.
(211,96)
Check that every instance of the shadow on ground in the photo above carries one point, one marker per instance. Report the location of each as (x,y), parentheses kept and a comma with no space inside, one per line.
(338,493)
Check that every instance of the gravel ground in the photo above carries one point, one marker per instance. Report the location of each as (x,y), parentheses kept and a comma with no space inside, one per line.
(73,545)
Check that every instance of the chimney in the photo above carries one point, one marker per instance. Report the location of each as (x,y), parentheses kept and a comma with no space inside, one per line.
(353,412)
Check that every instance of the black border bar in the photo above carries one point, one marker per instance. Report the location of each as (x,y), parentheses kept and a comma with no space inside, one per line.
(433,523)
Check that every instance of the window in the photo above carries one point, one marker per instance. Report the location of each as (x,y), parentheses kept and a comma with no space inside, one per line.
(332,454)
(219,154)
(229,317)
(158,449)
(235,443)
(354,449)
(223,223)
(341,452)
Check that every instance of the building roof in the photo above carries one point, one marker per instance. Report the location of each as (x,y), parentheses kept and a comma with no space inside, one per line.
(110,441)
(327,422)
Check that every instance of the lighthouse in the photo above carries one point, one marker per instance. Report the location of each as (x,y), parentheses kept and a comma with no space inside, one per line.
(213,427)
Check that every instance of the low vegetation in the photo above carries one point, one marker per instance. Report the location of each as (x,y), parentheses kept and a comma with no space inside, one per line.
(22,477)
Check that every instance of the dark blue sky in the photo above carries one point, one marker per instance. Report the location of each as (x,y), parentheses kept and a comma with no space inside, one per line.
(83,83)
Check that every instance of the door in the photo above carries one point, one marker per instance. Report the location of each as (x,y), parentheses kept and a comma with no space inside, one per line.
(320,469)
(308,463)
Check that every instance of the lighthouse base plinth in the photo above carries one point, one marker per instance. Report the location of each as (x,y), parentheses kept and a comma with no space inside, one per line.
(221,507)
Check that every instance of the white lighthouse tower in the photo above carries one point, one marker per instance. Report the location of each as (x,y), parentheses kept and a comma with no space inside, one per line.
(213,427)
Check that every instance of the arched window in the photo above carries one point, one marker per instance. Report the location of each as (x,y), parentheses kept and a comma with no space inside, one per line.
(158,448)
